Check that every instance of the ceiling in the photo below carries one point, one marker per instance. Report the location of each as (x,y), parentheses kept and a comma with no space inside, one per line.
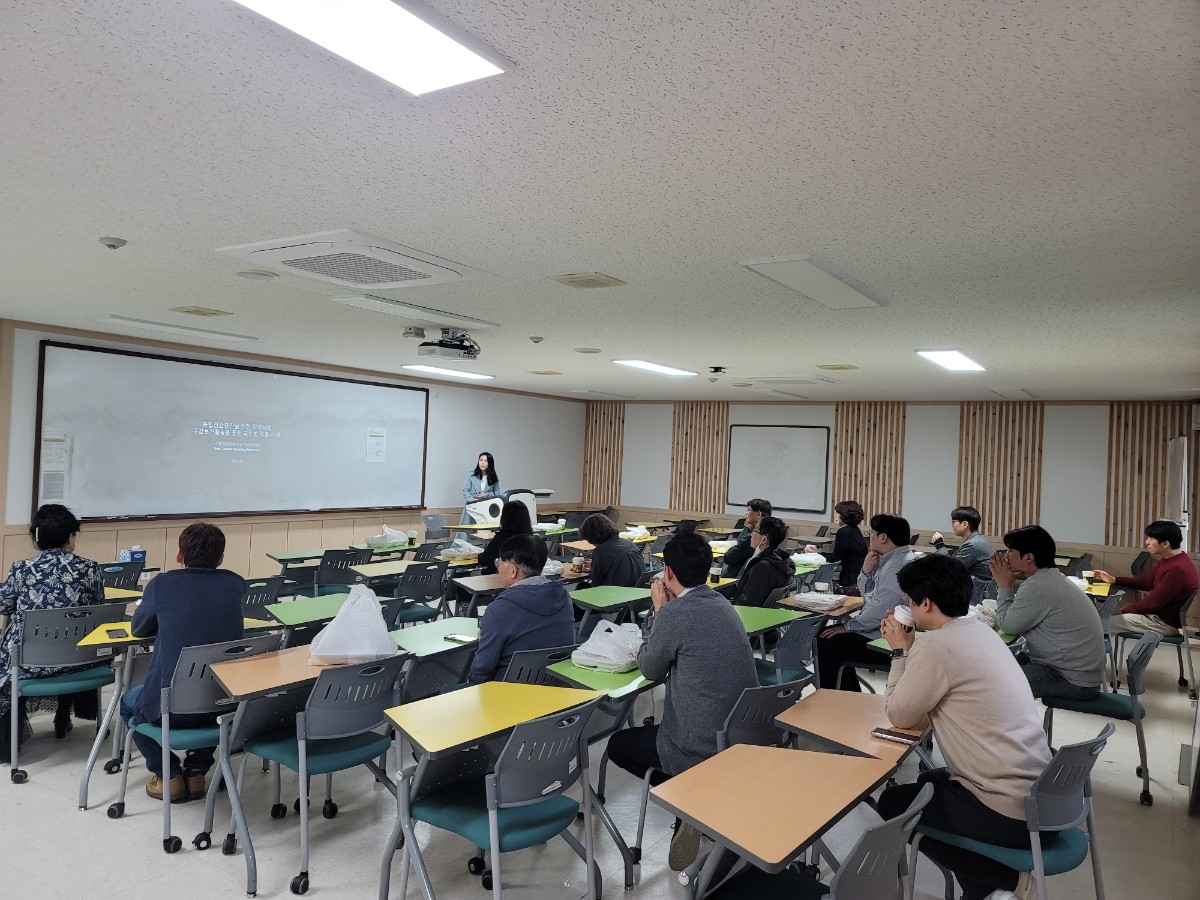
(1019,180)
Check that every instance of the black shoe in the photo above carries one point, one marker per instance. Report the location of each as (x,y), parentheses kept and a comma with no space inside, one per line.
(62,719)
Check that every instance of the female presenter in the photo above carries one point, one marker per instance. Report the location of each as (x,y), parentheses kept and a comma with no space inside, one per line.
(483,483)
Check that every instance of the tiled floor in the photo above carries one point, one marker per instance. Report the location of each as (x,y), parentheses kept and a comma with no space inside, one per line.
(49,849)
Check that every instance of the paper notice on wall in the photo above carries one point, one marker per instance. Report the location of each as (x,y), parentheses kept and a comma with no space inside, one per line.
(55,467)
(376,445)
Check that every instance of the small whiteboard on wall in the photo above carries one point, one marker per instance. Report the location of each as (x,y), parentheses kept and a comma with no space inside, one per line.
(785,464)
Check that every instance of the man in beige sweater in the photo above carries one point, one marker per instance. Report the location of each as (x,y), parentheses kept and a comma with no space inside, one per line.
(960,678)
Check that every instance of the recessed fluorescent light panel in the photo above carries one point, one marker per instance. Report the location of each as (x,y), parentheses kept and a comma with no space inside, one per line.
(654,367)
(199,333)
(452,373)
(384,38)
(797,273)
(953,360)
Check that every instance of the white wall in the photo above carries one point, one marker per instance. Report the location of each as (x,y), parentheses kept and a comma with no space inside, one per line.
(778,414)
(646,465)
(537,442)
(930,466)
(1075,472)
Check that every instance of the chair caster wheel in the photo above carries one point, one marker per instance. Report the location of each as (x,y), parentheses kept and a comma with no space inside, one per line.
(278,811)
(202,841)
(1191,695)
(116,810)
(486,881)
(812,871)
(475,865)
(1138,770)
(1183,682)
(300,884)
(329,810)
(19,776)
(172,844)
(229,845)
(296,805)
(1145,799)
(112,767)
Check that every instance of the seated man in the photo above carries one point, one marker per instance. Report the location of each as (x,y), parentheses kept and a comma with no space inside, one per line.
(736,556)
(1064,638)
(198,604)
(697,643)
(530,614)
(975,550)
(769,568)
(961,679)
(1167,587)
(881,593)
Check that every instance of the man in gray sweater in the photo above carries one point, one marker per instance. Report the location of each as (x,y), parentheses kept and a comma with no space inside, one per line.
(975,550)
(1064,637)
(696,642)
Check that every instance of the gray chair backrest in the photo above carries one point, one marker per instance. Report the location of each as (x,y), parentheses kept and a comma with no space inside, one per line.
(435,527)
(422,581)
(1058,799)
(659,543)
(352,699)
(1139,563)
(259,592)
(752,719)
(335,565)
(1084,565)
(302,635)
(979,587)
(1139,658)
(530,666)
(822,574)
(873,868)
(776,595)
(575,518)
(798,645)
(194,690)
(50,635)
(428,552)
(1186,608)
(822,531)
(123,575)
(542,758)
(428,675)
(1108,607)
(912,541)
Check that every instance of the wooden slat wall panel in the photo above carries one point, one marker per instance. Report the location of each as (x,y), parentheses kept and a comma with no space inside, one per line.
(699,456)
(1138,432)
(1000,462)
(603,451)
(868,455)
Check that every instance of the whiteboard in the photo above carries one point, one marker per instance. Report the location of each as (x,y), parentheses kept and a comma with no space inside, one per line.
(787,465)
(132,435)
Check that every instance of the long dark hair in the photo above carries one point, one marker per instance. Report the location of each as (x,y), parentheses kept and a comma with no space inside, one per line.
(492,477)
(514,518)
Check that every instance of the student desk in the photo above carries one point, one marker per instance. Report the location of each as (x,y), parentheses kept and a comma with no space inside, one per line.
(582,546)
(112,593)
(477,587)
(617,685)
(804,540)
(384,569)
(720,531)
(653,526)
(288,558)
(292,614)
(767,804)
(845,719)
(429,638)
(244,680)
(758,619)
(838,612)
(605,599)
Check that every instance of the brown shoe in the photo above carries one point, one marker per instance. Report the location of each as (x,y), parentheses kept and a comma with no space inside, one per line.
(195,785)
(154,788)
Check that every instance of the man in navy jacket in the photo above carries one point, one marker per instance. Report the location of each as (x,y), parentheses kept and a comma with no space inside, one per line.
(531,614)
(198,604)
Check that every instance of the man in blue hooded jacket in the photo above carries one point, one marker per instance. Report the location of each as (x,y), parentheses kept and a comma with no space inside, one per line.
(531,614)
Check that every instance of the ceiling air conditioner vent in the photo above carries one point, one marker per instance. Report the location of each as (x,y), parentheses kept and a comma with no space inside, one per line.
(588,280)
(353,259)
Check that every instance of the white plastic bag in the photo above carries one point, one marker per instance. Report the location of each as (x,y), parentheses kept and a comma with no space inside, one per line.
(461,549)
(632,531)
(357,633)
(552,567)
(611,648)
(809,559)
(387,538)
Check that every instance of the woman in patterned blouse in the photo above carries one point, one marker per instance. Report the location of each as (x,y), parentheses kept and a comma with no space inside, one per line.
(54,578)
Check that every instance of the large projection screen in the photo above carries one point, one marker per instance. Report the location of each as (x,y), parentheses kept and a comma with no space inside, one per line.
(131,435)
(785,464)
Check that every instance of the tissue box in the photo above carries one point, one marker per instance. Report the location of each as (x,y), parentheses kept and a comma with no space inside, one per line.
(134,554)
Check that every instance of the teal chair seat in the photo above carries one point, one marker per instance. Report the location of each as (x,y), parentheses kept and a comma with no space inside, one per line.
(767,673)
(181,738)
(68,682)
(1111,706)
(416,612)
(323,756)
(462,809)
(755,884)
(1062,851)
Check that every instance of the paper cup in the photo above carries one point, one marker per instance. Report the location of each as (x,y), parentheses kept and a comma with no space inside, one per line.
(1089,574)
(822,586)
(577,561)
(903,615)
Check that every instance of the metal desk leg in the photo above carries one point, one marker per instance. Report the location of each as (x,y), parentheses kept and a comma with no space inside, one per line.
(228,727)
(610,826)
(114,703)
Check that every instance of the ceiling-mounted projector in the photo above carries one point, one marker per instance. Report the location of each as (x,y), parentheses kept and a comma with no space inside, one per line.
(454,344)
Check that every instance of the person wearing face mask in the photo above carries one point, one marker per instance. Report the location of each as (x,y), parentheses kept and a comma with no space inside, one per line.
(769,568)
(736,556)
